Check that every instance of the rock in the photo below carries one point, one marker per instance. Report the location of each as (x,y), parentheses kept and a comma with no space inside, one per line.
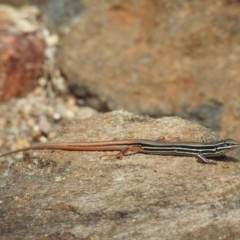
(91,195)
(18,3)
(21,54)
(158,58)
(58,15)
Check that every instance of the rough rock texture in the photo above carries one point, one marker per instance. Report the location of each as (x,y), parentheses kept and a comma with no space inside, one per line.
(91,195)
(21,54)
(158,58)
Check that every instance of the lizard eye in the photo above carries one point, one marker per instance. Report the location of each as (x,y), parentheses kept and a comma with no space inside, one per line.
(231,143)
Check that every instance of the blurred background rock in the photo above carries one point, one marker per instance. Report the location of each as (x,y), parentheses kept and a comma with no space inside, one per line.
(156,58)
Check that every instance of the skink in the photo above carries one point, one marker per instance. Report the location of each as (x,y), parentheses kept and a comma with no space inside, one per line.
(200,150)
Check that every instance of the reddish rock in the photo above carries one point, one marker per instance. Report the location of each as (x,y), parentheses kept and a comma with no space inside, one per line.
(21,54)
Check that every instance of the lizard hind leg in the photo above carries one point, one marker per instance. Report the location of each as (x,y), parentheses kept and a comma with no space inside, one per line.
(160,139)
(132,148)
(163,139)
